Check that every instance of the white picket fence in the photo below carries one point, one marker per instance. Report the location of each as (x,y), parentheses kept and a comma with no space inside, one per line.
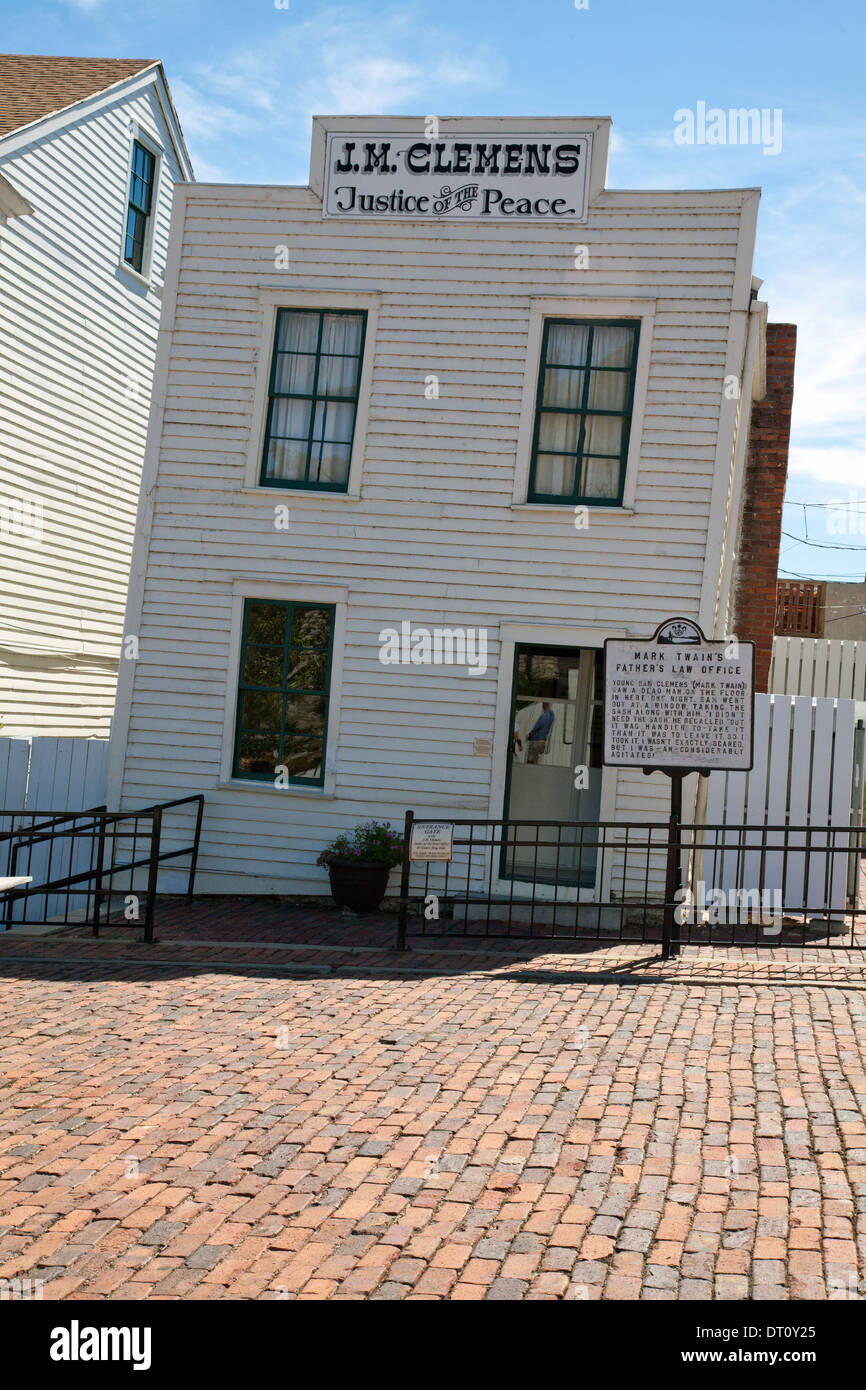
(808,772)
(818,666)
(51,774)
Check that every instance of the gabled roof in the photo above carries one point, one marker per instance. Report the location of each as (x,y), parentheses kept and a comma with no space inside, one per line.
(33,86)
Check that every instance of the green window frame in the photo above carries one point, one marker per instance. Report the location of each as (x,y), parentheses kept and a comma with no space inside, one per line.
(284,680)
(331,380)
(584,383)
(141,178)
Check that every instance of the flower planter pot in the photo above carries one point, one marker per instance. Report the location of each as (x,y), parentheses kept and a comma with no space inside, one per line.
(358,886)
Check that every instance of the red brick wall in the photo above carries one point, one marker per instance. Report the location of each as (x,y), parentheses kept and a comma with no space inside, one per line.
(764,492)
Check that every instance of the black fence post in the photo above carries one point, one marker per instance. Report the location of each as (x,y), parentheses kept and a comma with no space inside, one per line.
(195,844)
(673,880)
(100,867)
(404,884)
(152,872)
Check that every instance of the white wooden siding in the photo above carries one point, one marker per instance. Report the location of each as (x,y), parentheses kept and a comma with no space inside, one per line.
(434,537)
(79,339)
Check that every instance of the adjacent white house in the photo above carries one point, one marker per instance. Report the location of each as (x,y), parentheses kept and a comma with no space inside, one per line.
(423,435)
(91,152)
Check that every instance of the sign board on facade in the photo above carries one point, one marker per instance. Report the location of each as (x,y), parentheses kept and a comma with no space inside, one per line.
(679,701)
(503,177)
(431,840)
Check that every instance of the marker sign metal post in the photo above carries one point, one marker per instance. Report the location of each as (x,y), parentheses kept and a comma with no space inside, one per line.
(427,841)
(678,703)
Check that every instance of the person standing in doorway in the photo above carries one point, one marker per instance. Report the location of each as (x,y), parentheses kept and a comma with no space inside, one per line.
(536,741)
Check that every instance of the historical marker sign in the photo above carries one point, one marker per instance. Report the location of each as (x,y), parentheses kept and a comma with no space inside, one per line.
(458,178)
(679,701)
(431,841)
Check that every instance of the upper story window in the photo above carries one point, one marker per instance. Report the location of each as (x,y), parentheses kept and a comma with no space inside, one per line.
(141,179)
(313,398)
(583,411)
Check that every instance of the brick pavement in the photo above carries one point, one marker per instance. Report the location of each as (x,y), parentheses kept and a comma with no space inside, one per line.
(213,1121)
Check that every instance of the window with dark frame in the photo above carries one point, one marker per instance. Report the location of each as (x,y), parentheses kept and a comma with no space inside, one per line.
(313,398)
(283,691)
(583,411)
(140,203)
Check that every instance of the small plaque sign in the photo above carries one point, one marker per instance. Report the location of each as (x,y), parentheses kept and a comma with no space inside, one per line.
(679,700)
(431,840)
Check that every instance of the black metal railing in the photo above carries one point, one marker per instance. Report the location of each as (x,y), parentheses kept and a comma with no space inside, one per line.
(588,881)
(80,863)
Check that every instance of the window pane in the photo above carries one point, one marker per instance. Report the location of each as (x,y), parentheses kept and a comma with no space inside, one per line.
(305,714)
(303,756)
(559,433)
(266,622)
(567,343)
(311,627)
(603,434)
(290,419)
(295,373)
(612,347)
(141,177)
(563,388)
(341,333)
(258,752)
(608,390)
(261,710)
(334,422)
(330,463)
(287,460)
(600,478)
(307,670)
(297,332)
(337,376)
(135,229)
(263,666)
(554,475)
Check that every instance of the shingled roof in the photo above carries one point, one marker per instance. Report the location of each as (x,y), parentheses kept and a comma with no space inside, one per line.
(33,86)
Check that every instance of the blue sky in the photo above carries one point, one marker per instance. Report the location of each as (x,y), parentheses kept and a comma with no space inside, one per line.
(248,76)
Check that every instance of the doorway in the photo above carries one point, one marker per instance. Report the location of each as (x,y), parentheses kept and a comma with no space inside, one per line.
(554,761)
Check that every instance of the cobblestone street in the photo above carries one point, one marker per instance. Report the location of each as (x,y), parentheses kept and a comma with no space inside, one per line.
(197,1120)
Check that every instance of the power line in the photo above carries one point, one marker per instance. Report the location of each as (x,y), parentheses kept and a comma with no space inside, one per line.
(811,578)
(839,502)
(821,545)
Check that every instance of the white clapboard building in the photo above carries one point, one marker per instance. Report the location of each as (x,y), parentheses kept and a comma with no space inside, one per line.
(424,434)
(90,154)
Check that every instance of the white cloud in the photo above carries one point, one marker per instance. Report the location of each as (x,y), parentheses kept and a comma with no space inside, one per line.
(832,465)
(340,62)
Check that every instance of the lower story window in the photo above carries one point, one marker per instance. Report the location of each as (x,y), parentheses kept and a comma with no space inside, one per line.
(283,691)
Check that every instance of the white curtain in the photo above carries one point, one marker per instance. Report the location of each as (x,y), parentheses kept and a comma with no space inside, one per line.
(296,353)
(290,427)
(612,347)
(332,435)
(600,477)
(341,334)
(566,344)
